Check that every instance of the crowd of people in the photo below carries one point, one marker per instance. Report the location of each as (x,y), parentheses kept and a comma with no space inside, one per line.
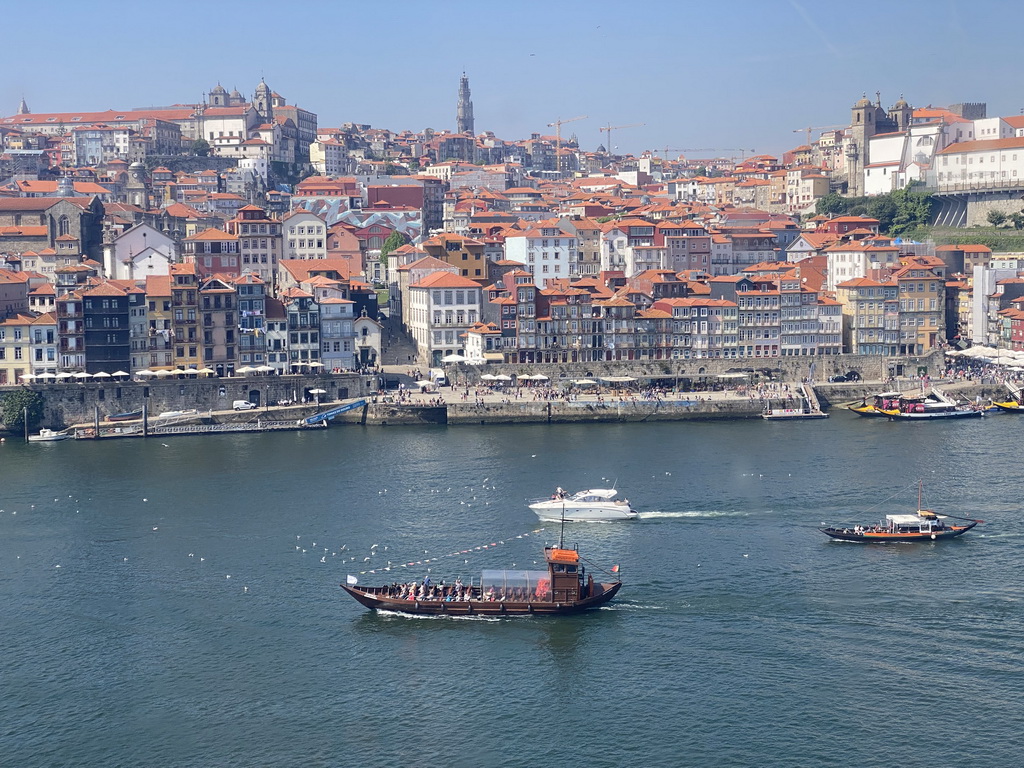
(420,591)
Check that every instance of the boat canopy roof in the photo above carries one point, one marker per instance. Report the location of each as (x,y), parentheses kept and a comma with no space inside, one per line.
(597,493)
(903,519)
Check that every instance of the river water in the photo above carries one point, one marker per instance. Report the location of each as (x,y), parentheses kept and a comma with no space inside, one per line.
(742,636)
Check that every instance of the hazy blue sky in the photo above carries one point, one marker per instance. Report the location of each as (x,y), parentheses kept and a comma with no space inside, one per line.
(726,74)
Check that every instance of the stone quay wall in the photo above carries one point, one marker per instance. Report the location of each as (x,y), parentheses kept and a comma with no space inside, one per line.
(555,412)
(791,369)
(75,403)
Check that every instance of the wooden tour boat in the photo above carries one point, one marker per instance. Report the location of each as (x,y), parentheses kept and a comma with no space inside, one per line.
(922,525)
(563,588)
(898,406)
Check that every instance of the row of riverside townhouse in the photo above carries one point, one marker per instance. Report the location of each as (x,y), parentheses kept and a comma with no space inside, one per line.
(183,323)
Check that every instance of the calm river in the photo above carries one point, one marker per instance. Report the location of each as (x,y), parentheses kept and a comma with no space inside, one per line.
(195,617)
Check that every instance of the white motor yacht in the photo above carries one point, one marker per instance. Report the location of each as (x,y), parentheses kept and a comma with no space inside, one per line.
(595,504)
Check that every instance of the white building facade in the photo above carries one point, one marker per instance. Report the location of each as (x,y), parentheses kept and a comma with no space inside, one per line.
(546,252)
(442,307)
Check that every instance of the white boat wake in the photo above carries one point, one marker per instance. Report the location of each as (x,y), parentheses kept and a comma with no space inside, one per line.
(444,617)
(654,515)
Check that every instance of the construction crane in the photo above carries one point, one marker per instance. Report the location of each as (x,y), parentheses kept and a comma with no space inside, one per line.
(609,128)
(557,125)
(810,128)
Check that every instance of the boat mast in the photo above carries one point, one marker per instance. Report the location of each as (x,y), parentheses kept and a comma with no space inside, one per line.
(920,489)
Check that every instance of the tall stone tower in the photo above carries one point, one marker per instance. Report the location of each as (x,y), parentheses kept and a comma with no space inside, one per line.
(136,189)
(901,113)
(262,102)
(862,127)
(464,114)
(23,107)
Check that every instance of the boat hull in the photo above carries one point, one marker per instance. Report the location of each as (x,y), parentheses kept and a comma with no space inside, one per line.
(1011,406)
(867,537)
(965,414)
(871,411)
(787,415)
(129,416)
(374,599)
(584,514)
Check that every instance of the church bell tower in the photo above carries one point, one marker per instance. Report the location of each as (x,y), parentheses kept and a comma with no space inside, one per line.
(464,114)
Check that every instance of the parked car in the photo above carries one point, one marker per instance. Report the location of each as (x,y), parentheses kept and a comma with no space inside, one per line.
(243,405)
(848,376)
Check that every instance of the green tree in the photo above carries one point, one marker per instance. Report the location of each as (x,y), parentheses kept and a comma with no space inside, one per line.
(201,147)
(395,240)
(913,210)
(831,204)
(391,169)
(884,209)
(996,218)
(1017,219)
(13,405)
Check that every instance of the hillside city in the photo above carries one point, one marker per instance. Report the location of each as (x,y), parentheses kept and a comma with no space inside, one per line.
(236,233)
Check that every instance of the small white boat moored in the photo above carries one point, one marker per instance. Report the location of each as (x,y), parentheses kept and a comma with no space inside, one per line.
(592,505)
(48,436)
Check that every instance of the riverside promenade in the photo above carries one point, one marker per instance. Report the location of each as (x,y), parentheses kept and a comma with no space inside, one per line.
(531,404)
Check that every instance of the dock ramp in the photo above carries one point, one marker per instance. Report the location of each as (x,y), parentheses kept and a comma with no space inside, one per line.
(330,414)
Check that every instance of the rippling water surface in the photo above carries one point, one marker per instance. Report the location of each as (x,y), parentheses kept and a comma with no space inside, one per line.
(742,635)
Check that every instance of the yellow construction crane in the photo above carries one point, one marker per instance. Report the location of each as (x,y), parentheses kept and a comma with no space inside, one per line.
(557,125)
(810,128)
(609,128)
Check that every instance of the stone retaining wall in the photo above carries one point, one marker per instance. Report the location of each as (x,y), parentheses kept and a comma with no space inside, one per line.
(75,403)
(791,369)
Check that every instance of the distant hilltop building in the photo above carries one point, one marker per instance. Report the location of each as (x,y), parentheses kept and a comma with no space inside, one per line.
(464,114)
(255,132)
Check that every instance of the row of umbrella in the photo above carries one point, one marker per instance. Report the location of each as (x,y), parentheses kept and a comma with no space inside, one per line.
(521,377)
(992,354)
(174,372)
(64,376)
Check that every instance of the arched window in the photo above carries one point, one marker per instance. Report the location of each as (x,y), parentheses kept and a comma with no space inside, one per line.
(63,226)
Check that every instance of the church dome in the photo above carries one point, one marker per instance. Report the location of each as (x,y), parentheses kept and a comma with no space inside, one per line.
(901,104)
(863,102)
(218,89)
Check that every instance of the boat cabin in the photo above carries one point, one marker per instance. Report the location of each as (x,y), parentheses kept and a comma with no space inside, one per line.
(564,568)
(925,521)
(888,401)
(517,586)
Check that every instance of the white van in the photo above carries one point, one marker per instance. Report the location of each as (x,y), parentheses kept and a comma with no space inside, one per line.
(437,376)
(243,405)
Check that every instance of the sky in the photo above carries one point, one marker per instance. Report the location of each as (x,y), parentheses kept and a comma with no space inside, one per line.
(729,75)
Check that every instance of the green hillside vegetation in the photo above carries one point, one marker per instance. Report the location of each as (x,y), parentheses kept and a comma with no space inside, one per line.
(898,213)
